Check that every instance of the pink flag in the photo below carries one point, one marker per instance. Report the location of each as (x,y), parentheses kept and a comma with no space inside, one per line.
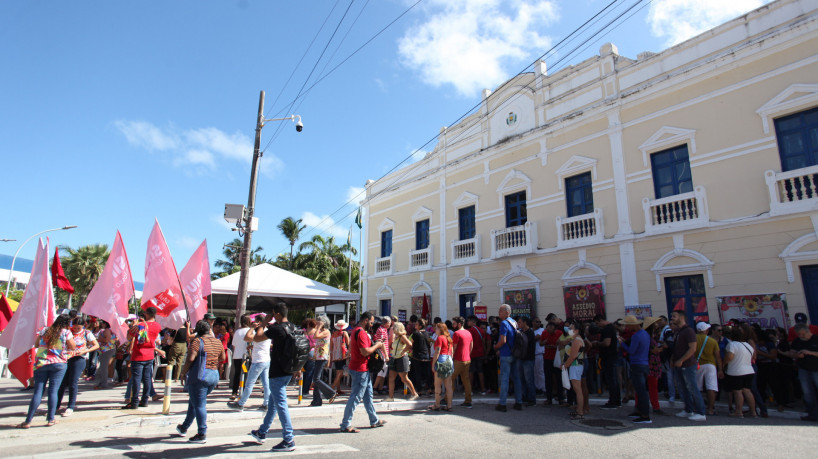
(36,310)
(161,279)
(196,281)
(109,298)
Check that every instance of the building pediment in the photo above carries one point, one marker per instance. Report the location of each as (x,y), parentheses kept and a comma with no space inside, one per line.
(796,97)
(666,137)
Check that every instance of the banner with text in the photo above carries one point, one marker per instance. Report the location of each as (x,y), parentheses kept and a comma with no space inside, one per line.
(768,310)
(481,312)
(417,304)
(640,311)
(583,302)
(523,302)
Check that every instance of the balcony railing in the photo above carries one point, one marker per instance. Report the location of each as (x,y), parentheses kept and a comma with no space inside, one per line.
(517,240)
(383,266)
(420,260)
(793,191)
(677,212)
(466,251)
(581,229)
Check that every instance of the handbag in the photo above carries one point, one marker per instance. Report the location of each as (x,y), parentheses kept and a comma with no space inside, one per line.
(198,367)
(566,381)
(557,359)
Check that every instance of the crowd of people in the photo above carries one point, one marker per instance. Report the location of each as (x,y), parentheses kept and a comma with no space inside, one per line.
(563,362)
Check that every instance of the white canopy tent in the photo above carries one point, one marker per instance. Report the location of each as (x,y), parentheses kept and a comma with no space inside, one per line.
(267,282)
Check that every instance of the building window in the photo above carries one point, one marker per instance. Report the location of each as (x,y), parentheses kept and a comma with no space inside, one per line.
(578,195)
(422,234)
(686,294)
(467,302)
(386,307)
(515,209)
(671,172)
(798,140)
(465,217)
(386,243)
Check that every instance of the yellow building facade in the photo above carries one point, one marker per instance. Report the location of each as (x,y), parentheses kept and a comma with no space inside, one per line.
(679,180)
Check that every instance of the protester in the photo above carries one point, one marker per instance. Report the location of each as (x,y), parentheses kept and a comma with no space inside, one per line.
(361,388)
(259,366)
(239,353)
(309,327)
(684,363)
(320,356)
(279,378)
(654,362)
(85,343)
(574,364)
(144,334)
(107,348)
(339,354)
(382,334)
(539,350)
(710,368)
(399,362)
(420,370)
(56,343)
(505,343)
(462,347)
(200,383)
(553,385)
(443,367)
(526,363)
(805,352)
(609,355)
(800,318)
(638,349)
(740,373)
(178,350)
(667,340)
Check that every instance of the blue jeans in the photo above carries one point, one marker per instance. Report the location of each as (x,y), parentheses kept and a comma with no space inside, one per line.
(527,375)
(51,374)
(670,374)
(309,369)
(71,381)
(686,381)
(509,369)
(256,369)
(141,374)
(197,392)
(277,403)
(809,385)
(639,379)
(360,390)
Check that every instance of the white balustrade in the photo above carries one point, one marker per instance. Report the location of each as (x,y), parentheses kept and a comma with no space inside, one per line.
(516,240)
(420,260)
(677,212)
(793,191)
(580,229)
(466,251)
(383,265)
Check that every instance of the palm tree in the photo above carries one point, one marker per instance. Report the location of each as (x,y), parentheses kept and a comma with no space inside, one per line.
(232,261)
(291,229)
(82,267)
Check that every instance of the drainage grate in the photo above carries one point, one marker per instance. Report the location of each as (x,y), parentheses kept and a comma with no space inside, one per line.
(604,424)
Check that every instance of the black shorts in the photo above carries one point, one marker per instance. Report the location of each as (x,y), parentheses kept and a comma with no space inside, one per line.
(739,382)
(476,365)
(400,365)
(339,364)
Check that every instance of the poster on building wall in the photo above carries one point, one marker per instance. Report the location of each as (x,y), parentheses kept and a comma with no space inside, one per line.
(583,302)
(481,312)
(417,305)
(523,302)
(768,310)
(402,315)
(640,311)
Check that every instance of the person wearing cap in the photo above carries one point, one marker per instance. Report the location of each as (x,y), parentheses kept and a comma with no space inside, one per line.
(800,318)
(638,349)
(710,367)
(683,360)
(338,354)
(210,318)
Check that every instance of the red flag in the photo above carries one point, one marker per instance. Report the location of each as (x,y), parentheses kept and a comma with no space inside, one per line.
(195,278)
(161,277)
(109,298)
(58,275)
(5,312)
(425,311)
(36,310)
(165,302)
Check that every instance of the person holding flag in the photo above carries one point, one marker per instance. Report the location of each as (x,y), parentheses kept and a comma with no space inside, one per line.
(144,334)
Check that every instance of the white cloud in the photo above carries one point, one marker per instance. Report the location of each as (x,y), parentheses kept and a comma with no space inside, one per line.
(189,242)
(418,154)
(678,20)
(203,148)
(219,220)
(468,43)
(355,194)
(381,85)
(325,225)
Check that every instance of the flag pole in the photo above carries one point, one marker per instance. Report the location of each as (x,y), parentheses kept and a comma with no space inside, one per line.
(360,272)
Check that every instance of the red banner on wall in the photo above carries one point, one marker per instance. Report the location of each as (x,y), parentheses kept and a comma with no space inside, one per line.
(481,312)
(523,302)
(583,302)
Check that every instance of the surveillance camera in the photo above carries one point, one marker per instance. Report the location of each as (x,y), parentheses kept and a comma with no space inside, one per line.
(299,126)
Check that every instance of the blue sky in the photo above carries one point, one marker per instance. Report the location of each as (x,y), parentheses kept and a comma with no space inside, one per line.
(116,113)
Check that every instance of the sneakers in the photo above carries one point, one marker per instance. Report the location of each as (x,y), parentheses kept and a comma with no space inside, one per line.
(642,420)
(67,412)
(198,438)
(284,447)
(466,405)
(388,399)
(414,397)
(697,417)
(610,406)
(143,404)
(129,406)
(635,414)
(180,431)
(684,414)
(259,437)
(501,408)
(235,406)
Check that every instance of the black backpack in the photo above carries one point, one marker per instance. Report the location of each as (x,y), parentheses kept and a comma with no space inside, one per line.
(520,345)
(374,363)
(296,351)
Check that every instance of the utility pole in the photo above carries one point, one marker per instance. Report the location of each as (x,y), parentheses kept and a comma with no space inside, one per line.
(244,277)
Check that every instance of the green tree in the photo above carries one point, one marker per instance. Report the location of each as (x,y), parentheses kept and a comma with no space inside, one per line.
(232,258)
(82,267)
(291,230)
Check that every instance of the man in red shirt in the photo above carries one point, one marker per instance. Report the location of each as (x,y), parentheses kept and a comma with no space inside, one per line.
(361,387)
(143,335)
(478,352)
(549,339)
(800,318)
(463,346)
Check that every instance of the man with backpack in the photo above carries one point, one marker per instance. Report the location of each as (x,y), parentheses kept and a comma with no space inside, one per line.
(361,348)
(288,353)
(504,346)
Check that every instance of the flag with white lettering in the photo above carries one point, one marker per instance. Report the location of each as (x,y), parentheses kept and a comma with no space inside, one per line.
(196,282)
(162,282)
(109,298)
(36,310)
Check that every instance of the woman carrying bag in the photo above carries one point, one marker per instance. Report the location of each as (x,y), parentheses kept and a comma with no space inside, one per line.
(201,371)
(574,360)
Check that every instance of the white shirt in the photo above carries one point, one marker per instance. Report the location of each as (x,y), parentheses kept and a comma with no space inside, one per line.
(261,351)
(239,345)
(742,363)
(539,348)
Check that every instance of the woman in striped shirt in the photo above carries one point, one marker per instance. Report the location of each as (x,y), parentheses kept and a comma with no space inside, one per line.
(200,387)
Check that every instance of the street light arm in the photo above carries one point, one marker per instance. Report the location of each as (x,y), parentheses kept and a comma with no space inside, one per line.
(13,260)
(290,118)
